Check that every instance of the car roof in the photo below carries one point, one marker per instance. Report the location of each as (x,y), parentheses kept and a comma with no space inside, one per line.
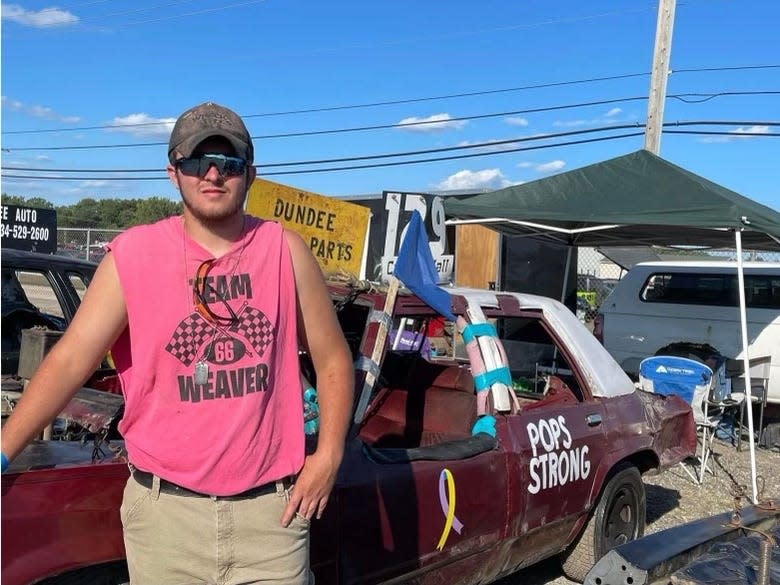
(44,261)
(710,265)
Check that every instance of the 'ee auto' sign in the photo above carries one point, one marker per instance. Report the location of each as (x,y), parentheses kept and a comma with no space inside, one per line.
(27,228)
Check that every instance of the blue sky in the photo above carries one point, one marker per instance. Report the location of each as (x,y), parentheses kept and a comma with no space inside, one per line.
(90,85)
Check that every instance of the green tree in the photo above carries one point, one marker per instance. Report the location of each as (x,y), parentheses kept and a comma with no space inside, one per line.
(13,200)
(154,209)
(39,203)
(35,202)
(110,214)
(116,213)
(85,213)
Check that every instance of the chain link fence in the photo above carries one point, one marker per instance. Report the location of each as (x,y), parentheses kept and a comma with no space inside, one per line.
(84,243)
(596,274)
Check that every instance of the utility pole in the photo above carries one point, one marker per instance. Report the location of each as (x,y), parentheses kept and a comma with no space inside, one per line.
(661,56)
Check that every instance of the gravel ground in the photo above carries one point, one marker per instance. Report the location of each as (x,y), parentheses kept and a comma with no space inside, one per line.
(674,499)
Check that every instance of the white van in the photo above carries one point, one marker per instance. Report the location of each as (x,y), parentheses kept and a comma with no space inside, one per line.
(658,304)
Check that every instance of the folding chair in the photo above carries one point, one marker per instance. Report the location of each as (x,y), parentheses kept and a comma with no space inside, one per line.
(692,381)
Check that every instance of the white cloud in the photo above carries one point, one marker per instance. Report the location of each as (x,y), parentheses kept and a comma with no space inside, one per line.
(14,105)
(491,145)
(15,160)
(143,125)
(548,167)
(578,123)
(517,121)
(741,133)
(434,123)
(610,117)
(37,111)
(466,179)
(94,184)
(748,131)
(44,18)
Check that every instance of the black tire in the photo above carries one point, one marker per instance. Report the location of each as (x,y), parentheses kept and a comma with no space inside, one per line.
(109,574)
(618,518)
(699,352)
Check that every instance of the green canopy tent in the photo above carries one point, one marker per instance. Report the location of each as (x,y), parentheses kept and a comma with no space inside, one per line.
(632,200)
(636,199)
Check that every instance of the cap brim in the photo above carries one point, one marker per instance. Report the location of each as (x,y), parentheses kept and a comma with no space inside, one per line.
(187,147)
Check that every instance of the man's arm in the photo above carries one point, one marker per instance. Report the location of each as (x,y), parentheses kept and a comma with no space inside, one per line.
(100,319)
(322,335)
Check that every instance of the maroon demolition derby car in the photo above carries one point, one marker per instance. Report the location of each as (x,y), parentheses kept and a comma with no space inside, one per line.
(422,496)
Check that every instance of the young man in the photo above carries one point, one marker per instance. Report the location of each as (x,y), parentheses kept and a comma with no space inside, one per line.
(204,315)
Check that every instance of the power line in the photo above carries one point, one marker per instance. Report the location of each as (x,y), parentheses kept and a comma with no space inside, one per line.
(720,133)
(159,19)
(489,144)
(729,68)
(398,126)
(355,158)
(346,107)
(455,157)
(402,101)
(344,168)
(415,153)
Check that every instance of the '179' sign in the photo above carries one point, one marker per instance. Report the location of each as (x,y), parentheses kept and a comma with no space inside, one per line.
(399,208)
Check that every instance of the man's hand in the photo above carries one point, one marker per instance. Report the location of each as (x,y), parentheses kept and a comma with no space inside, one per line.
(312,488)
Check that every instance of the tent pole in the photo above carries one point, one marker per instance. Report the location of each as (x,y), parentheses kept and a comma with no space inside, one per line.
(746,360)
(566,274)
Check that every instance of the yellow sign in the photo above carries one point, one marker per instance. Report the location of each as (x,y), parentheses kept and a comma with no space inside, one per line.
(335,230)
(589,296)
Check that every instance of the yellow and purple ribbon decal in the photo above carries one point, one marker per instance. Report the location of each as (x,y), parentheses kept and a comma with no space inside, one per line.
(447,501)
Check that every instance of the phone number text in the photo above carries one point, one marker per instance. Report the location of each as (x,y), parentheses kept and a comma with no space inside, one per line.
(24,232)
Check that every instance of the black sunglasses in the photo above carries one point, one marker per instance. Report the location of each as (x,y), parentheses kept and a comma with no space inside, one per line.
(198,166)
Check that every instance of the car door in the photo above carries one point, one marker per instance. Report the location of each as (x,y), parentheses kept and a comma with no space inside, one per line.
(558,439)
(561,442)
(399,522)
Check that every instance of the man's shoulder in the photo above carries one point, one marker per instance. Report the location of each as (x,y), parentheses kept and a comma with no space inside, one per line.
(265,228)
(153,233)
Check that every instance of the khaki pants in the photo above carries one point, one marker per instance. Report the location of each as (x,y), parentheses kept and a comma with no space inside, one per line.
(183,540)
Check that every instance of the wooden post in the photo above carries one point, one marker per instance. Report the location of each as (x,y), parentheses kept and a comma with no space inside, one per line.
(661,57)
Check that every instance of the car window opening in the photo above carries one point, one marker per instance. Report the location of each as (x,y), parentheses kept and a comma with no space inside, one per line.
(426,401)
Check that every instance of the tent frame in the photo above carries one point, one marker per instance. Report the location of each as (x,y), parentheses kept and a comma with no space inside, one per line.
(742,303)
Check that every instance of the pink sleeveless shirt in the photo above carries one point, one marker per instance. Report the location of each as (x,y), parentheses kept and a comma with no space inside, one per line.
(243,427)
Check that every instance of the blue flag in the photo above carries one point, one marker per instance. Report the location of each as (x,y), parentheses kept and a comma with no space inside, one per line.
(416,269)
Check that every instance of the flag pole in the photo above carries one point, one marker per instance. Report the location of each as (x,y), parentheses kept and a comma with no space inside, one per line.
(372,368)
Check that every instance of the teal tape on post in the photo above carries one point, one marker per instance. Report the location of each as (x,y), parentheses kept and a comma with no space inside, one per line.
(311,412)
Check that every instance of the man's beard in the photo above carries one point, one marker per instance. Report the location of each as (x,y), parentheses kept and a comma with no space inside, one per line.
(214,215)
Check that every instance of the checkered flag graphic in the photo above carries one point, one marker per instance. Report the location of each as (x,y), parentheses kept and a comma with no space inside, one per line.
(255,327)
(188,338)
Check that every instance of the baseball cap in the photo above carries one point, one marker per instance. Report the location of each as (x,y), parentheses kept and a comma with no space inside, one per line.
(207,120)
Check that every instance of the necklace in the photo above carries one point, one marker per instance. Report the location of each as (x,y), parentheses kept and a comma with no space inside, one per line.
(201,372)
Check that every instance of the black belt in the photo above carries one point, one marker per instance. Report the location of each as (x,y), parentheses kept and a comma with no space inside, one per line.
(146,479)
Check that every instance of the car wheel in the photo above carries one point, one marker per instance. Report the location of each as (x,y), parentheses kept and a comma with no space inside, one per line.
(693,351)
(618,518)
